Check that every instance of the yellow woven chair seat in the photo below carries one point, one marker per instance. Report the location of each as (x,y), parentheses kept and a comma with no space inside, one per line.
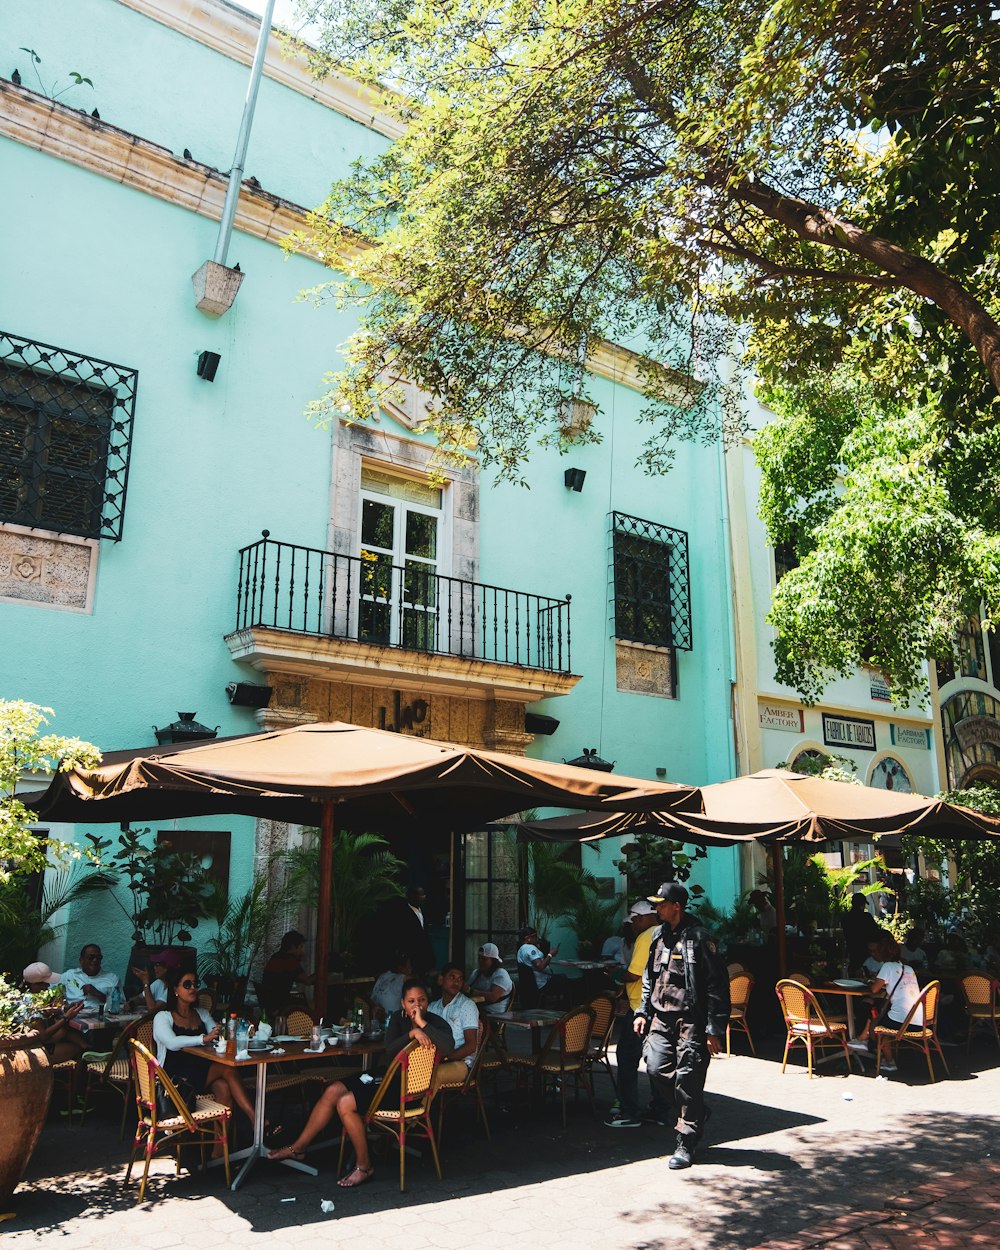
(410,1113)
(211,1110)
(912,1031)
(119,1070)
(291,1081)
(449,1084)
(979,1011)
(817,1028)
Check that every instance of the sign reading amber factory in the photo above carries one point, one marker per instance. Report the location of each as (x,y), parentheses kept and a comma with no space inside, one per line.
(787,719)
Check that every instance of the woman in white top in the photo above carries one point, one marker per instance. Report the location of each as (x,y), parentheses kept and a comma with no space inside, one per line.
(900,984)
(184,1024)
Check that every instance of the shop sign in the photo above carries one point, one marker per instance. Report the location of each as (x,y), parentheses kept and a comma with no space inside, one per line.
(880,691)
(976,731)
(406,717)
(908,736)
(787,719)
(848,731)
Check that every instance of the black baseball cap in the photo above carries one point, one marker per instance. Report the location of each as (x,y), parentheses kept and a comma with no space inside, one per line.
(669,892)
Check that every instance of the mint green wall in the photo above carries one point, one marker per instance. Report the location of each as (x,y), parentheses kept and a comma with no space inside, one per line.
(174,91)
(102,270)
(561,545)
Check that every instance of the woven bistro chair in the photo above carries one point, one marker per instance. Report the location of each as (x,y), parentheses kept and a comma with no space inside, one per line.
(740,986)
(980,994)
(603,1007)
(923,1036)
(806,1023)
(416,1065)
(115,1072)
(468,1086)
(563,1055)
(206,1125)
(299,1024)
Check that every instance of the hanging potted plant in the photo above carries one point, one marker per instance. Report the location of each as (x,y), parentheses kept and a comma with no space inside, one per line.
(25,1075)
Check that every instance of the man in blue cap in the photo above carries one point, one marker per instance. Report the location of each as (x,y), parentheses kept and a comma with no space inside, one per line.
(683,1014)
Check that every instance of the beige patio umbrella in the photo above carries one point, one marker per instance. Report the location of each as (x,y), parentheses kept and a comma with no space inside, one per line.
(779,806)
(336,775)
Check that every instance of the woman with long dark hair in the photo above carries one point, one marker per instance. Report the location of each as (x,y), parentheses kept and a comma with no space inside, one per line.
(184,1024)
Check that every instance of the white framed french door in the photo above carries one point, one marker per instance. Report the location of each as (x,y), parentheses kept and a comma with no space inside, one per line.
(400,553)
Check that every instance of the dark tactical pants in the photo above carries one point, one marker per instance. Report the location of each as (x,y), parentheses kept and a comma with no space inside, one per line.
(629,1052)
(677,1057)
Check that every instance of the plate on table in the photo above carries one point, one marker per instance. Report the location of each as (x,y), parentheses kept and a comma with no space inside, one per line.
(288,1037)
(846,984)
(259,1048)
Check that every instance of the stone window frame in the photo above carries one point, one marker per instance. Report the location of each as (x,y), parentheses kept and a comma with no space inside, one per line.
(356,445)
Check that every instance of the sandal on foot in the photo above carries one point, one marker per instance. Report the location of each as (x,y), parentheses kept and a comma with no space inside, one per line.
(286,1152)
(356,1177)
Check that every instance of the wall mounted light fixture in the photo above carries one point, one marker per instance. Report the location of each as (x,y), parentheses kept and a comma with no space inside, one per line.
(208,363)
(573,479)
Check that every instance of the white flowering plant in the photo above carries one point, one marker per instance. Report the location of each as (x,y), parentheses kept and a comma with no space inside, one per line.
(20,1011)
(25,752)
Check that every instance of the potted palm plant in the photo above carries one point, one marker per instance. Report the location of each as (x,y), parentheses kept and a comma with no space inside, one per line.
(365,875)
(25,1076)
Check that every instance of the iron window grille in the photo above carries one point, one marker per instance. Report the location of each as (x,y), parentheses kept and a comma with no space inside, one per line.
(652,590)
(65,436)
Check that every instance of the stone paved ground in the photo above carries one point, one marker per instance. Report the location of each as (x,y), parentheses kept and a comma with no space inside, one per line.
(783,1154)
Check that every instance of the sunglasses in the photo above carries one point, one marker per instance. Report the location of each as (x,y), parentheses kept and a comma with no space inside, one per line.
(189,985)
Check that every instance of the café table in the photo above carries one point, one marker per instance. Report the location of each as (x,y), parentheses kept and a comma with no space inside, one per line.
(99,1031)
(533,1018)
(262,1060)
(849,990)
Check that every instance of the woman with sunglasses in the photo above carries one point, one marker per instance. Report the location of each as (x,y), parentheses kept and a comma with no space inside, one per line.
(184,1024)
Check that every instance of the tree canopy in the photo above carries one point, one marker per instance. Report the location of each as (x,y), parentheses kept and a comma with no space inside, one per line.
(660,173)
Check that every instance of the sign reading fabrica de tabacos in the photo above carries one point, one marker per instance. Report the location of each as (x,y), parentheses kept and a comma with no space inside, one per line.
(848,731)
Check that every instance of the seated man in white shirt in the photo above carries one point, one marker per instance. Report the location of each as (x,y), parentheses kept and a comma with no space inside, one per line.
(463,1019)
(90,984)
(491,981)
(530,956)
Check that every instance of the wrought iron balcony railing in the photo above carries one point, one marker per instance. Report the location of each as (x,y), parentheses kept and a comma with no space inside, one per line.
(368,599)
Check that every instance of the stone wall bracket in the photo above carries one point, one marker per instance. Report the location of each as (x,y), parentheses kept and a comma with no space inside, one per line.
(216,287)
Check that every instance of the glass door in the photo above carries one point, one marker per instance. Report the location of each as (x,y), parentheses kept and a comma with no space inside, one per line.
(400,550)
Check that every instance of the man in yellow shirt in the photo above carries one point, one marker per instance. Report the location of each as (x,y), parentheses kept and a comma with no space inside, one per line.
(643,920)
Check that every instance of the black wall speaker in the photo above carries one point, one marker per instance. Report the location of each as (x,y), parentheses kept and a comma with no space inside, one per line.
(208,363)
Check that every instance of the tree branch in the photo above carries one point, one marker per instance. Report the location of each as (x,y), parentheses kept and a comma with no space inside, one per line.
(797,271)
(818,225)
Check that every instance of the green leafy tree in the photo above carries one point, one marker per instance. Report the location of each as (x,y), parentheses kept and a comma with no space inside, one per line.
(974,898)
(580,171)
(26,753)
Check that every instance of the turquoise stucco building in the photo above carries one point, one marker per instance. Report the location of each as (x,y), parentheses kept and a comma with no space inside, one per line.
(129,489)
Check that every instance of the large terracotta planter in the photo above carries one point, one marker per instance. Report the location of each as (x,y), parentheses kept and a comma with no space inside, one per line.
(25,1090)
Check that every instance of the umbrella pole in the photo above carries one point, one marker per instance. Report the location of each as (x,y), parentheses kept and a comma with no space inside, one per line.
(323,900)
(778,864)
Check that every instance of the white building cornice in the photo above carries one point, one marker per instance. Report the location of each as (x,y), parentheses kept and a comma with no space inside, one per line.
(233,32)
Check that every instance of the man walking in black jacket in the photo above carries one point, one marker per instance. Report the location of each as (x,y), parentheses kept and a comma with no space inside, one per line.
(683,1014)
